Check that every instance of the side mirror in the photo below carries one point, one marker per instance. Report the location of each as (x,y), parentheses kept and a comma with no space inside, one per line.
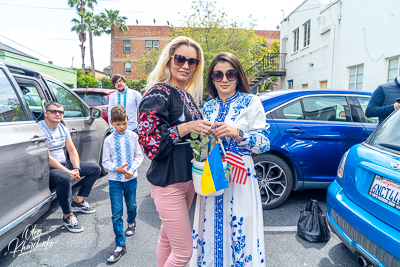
(94,113)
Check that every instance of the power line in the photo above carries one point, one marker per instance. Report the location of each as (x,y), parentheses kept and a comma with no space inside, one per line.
(32,50)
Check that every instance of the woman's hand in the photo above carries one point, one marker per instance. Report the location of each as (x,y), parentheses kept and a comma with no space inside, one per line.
(194,127)
(221,129)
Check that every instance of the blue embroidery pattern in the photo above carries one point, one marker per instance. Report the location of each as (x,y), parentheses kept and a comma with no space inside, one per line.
(238,245)
(119,98)
(218,231)
(209,108)
(242,103)
(128,151)
(118,153)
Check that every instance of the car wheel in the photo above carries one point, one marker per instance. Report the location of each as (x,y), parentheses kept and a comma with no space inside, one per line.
(275,179)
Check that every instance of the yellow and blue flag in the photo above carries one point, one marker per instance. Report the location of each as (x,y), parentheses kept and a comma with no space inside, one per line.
(213,178)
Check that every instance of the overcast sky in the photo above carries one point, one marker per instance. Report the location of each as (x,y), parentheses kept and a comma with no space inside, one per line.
(44,26)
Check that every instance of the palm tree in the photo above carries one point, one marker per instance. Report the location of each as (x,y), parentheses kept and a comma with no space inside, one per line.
(80,27)
(93,28)
(111,22)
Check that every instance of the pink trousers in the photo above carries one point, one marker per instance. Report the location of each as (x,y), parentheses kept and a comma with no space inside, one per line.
(175,242)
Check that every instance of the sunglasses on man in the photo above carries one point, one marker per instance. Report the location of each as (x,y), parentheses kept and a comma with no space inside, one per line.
(218,75)
(181,60)
(55,111)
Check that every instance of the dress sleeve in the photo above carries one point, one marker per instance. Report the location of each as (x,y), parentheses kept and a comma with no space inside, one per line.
(156,136)
(256,139)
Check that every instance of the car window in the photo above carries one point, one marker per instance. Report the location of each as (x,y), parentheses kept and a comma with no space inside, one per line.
(291,111)
(10,106)
(364,103)
(94,99)
(72,105)
(387,136)
(326,108)
(32,98)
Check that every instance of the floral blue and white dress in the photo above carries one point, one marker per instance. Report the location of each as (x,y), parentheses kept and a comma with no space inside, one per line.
(228,229)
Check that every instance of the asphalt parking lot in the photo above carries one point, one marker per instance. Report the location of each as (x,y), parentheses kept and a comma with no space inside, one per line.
(55,246)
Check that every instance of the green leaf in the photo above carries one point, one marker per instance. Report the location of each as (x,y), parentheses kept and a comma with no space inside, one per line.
(196,152)
(192,144)
(194,135)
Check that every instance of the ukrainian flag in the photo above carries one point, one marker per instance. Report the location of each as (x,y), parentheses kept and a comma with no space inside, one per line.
(213,178)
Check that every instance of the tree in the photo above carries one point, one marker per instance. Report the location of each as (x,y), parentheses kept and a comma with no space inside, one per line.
(92,26)
(87,80)
(111,22)
(80,26)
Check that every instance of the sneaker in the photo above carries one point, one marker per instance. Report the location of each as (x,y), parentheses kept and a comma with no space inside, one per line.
(82,207)
(72,225)
(131,230)
(117,253)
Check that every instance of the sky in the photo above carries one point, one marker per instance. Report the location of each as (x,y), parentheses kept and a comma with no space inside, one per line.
(42,28)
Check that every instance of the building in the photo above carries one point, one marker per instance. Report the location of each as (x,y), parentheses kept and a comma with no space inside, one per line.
(67,76)
(137,39)
(341,44)
(97,74)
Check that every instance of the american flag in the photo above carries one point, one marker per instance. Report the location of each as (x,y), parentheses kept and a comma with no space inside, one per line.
(239,173)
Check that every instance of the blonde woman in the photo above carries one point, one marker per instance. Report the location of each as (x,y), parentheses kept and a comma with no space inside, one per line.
(167,116)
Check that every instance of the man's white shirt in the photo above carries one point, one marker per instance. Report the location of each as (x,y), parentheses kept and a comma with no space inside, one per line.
(130,102)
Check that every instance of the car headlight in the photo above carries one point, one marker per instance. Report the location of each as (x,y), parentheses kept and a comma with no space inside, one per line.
(340,169)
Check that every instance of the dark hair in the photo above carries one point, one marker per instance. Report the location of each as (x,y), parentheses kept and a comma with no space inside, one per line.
(118,113)
(116,77)
(243,83)
(55,103)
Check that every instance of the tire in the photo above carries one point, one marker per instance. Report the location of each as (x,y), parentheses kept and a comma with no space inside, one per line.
(275,179)
(104,171)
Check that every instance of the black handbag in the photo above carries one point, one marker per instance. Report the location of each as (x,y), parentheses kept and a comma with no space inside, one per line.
(312,225)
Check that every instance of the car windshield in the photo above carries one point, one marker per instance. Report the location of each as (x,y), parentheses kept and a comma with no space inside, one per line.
(94,99)
(387,136)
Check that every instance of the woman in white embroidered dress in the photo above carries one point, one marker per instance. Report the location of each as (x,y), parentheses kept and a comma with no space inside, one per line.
(228,229)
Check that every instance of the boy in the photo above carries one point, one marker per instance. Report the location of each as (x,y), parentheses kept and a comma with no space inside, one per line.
(122,157)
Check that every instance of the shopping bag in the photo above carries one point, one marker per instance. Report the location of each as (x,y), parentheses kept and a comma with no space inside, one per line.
(312,225)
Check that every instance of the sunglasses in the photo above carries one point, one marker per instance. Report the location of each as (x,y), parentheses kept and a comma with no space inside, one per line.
(218,75)
(181,60)
(54,111)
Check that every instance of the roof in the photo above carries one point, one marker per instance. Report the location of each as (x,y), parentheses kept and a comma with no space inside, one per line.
(4,47)
(96,90)
(308,91)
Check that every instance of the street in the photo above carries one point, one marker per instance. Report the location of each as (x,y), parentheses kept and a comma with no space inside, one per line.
(48,243)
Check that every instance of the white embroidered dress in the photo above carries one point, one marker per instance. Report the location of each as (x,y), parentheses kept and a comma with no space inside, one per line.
(228,230)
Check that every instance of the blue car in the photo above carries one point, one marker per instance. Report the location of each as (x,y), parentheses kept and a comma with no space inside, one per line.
(310,130)
(363,203)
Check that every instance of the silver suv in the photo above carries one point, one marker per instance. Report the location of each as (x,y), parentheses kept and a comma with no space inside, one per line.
(24,159)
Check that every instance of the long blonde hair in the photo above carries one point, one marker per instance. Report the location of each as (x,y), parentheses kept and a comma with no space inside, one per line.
(162,73)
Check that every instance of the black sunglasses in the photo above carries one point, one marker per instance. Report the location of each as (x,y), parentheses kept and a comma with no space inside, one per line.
(55,111)
(218,75)
(181,60)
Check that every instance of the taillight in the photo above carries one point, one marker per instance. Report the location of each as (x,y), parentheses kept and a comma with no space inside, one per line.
(341,165)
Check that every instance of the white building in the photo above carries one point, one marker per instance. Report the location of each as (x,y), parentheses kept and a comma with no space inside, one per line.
(341,44)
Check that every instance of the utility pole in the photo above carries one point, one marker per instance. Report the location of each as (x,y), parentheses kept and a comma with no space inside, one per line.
(72,66)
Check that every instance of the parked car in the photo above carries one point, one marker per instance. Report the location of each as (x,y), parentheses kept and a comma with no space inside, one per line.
(96,97)
(310,130)
(363,203)
(24,157)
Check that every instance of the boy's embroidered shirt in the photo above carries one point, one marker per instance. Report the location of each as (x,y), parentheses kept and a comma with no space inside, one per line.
(130,100)
(120,149)
(55,139)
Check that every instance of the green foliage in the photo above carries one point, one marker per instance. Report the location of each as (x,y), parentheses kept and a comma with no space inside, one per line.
(197,144)
(133,84)
(149,60)
(111,20)
(85,80)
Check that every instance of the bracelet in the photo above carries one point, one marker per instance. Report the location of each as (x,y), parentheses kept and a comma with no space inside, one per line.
(77,168)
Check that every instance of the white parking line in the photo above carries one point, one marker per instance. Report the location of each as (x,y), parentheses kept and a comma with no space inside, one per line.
(280,228)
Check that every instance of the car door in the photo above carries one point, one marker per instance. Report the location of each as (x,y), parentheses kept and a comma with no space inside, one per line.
(361,103)
(24,162)
(85,135)
(318,130)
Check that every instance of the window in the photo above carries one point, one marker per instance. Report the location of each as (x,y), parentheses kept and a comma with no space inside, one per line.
(32,98)
(394,69)
(10,106)
(356,77)
(363,101)
(292,111)
(304,85)
(296,40)
(73,107)
(152,44)
(326,108)
(127,46)
(128,68)
(94,99)
(323,84)
(307,26)
(290,84)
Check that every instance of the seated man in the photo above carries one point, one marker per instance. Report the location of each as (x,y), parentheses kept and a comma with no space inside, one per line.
(63,171)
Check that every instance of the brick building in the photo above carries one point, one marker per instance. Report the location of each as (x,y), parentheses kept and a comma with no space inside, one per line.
(134,43)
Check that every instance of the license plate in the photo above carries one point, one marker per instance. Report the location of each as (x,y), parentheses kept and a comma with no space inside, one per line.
(385,190)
